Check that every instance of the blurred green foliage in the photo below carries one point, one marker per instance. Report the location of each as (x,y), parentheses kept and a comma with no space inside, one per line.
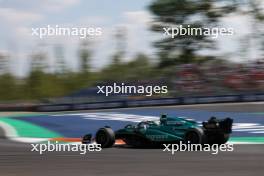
(199,14)
(40,85)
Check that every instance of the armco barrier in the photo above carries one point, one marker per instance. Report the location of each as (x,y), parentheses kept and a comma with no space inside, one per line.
(139,103)
(156,102)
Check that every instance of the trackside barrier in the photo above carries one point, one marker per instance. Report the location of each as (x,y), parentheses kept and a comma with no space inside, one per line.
(139,103)
(155,102)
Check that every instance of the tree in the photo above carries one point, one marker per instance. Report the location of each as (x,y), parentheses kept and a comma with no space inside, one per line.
(254,40)
(39,61)
(197,14)
(256,12)
(138,68)
(85,55)
(61,67)
(4,67)
(8,88)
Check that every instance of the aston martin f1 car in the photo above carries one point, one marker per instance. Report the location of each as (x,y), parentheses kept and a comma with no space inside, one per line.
(166,130)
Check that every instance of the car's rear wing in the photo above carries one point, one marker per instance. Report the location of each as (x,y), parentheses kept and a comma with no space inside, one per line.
(224,125)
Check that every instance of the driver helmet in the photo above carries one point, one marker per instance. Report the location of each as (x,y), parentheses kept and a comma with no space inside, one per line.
(163,119)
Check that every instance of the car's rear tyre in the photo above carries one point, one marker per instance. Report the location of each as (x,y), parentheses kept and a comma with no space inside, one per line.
(194,136)
(105,137)
(225,138)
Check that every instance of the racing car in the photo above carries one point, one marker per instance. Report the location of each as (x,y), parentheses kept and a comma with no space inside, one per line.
(166,130)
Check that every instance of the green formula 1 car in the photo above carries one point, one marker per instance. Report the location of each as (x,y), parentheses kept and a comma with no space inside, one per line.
(166,130)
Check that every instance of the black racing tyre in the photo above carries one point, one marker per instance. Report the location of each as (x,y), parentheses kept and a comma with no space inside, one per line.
(194,136)
(225,138)
(218,138)
(222,139)
(105,137)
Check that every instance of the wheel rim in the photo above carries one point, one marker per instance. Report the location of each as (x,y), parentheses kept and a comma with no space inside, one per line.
(101,138)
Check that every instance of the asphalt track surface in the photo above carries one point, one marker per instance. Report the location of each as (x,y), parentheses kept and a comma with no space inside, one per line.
(17,159)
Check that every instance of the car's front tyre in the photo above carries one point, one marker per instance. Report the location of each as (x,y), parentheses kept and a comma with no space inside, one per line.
(105,137)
